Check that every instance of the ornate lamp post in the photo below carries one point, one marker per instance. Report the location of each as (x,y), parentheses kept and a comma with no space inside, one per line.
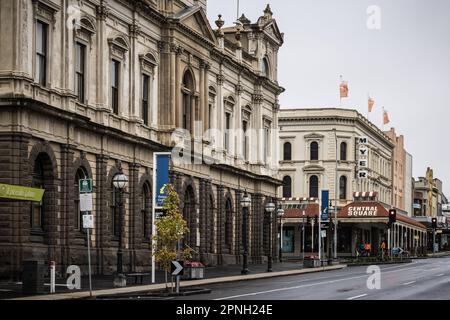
(245,204)
(280,214)
(270,207)
(120,182)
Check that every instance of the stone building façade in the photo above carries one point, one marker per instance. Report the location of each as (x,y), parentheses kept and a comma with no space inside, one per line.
(94,88)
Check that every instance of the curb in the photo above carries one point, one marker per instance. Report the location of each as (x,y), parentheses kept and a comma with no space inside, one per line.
(377,263)
(193,283)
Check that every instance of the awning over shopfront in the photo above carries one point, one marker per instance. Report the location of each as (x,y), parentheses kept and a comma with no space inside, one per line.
(373,211)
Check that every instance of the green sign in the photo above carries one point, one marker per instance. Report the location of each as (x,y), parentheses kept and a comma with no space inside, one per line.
(8,191)
(85,185)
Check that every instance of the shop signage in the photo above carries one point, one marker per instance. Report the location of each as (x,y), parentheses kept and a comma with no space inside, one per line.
(8,191)
(363,211)
(362,154)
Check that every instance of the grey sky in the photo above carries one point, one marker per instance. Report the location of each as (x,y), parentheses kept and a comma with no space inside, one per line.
(405,66)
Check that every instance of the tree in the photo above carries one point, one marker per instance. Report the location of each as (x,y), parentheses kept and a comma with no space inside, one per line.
(170,230)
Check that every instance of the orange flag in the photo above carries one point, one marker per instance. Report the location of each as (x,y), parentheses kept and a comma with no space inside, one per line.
(371,104)
(344,89)
(385,117)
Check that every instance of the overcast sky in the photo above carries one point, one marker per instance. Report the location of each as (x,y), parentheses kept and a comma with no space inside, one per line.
(405,65)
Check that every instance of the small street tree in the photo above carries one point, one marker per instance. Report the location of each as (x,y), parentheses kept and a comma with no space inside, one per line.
(170,230)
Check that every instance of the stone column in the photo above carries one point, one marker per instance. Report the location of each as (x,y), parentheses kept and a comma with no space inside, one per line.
(102,238)
(15,215)
(238,226)
(135,237)
(67,204)
(220,221)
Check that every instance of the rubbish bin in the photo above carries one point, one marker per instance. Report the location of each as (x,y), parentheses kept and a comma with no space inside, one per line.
(33,277)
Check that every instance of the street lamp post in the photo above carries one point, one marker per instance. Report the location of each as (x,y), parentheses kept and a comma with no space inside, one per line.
(245,204)
(270,207)
(120,182)
(280,213)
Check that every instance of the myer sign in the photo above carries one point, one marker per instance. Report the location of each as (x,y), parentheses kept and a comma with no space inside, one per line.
(363,211)
(363,153)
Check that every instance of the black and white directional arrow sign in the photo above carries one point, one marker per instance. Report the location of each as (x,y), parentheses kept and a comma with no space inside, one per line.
(176,268)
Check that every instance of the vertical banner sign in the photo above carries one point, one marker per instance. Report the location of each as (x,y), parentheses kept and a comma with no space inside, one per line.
(162,178)
(324,205)
(161,161)
(363,158)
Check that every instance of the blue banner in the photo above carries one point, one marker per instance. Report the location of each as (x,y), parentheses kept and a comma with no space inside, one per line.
(162,178)
(324,206)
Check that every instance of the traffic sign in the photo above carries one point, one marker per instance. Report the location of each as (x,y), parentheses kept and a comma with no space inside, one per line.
(88,221)
(86,202)
(176,268)
(85,185)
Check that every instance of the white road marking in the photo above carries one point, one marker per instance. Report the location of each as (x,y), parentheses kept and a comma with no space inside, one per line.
(5,290)
(311,284)
(357,297)
(408,283)
(440,275)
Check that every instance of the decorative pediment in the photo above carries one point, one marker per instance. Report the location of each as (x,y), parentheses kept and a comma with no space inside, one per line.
(313,168)
(314,136)
(148,62)
(118,46)
(84,28)
(272,31)
(195,19)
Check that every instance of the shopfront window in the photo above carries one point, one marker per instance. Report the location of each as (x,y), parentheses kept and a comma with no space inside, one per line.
(288,240)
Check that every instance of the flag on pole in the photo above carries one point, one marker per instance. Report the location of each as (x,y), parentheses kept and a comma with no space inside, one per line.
(385,117)
(371,103)
(344,89)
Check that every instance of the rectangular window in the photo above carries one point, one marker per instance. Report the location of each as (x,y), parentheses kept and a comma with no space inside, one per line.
(80,50)
(41,52)
(245,140)
(145,97)
(227,131)
(209,115)
(266,144)
(115,65)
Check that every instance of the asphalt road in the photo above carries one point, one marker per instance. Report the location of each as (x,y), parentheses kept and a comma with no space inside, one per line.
(420,280)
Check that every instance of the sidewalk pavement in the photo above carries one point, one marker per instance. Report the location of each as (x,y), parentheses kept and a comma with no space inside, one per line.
(438,254)
(103,285)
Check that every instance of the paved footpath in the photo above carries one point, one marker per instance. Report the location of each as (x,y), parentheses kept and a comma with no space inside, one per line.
(258,273)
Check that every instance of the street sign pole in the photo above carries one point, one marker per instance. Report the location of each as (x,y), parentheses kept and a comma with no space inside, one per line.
(89,260)
(88,224)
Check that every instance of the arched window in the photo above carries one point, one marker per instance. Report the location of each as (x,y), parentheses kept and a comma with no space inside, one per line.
(313,187)
(343,188)
(146,211)
(78,217)
(188,91)
(314,152)
(287,187)
(344,151)
(265,68)
(228,224)
(37,208)
(287,151)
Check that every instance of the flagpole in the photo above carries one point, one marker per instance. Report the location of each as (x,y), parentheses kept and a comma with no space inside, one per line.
(340,95)
(368,112)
